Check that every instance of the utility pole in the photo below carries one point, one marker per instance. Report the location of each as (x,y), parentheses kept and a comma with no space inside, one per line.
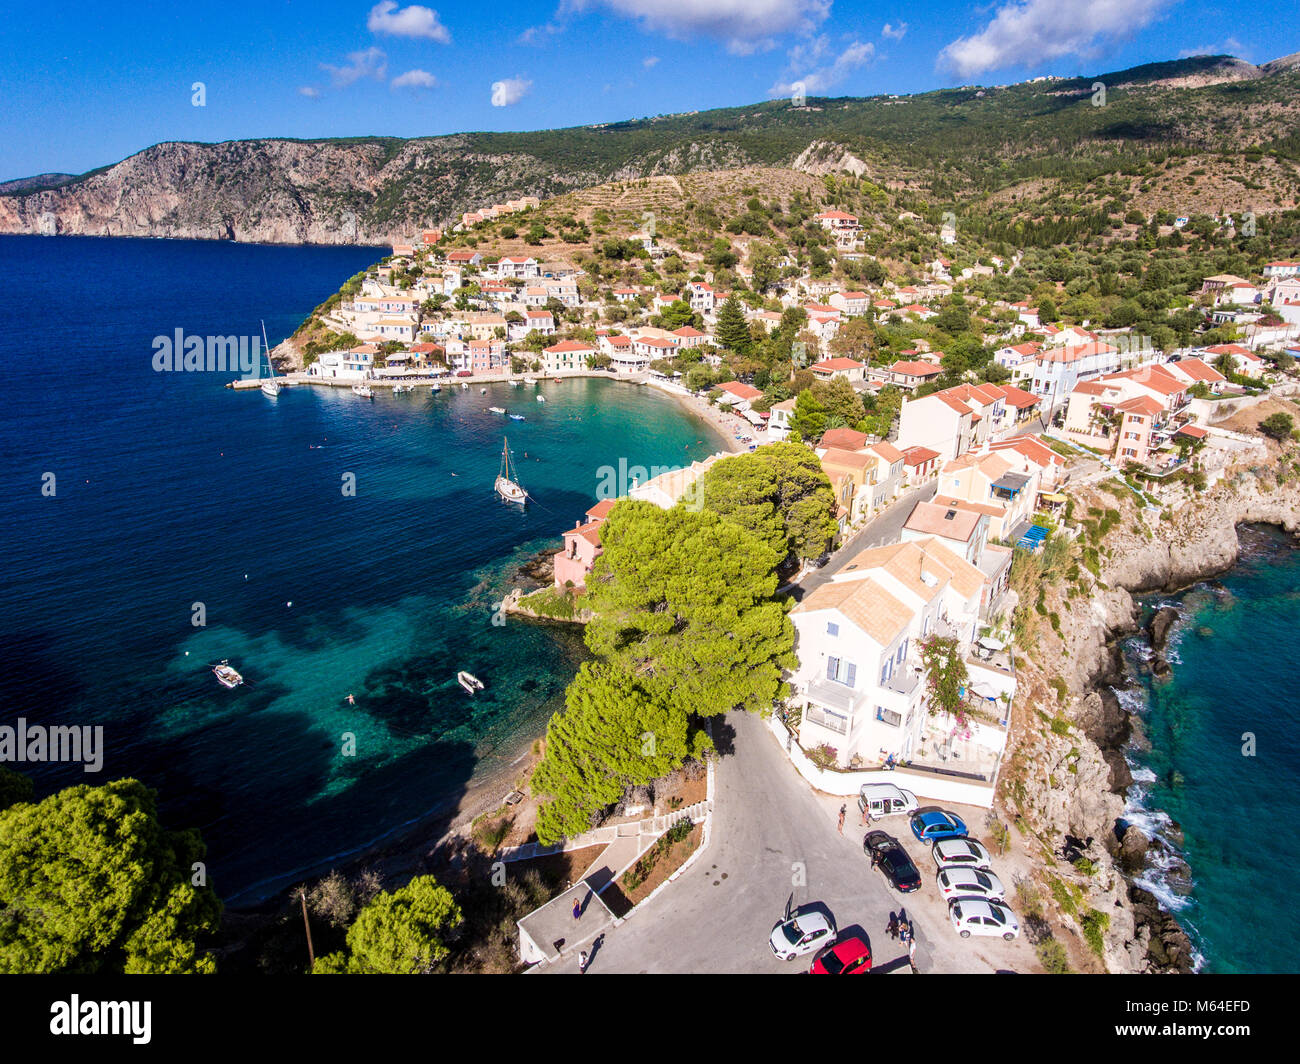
(311,952)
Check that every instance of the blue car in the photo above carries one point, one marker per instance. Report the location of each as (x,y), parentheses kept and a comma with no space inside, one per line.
(930,825)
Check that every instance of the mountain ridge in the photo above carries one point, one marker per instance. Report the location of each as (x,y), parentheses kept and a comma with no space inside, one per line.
(949,142)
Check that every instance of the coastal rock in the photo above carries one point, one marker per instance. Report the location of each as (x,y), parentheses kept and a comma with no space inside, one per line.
(1161,622)
(1133,849)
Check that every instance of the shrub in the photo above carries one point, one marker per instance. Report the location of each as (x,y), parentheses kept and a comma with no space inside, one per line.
(1051,955)
(1094,925)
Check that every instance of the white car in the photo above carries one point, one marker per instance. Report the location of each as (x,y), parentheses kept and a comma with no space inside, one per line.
(802,933)
(974,916)
(960,853)
(884,799)
(968,882)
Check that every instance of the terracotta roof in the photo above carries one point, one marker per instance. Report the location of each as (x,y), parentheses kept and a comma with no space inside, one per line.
(1194,431)
(865,603)
(1018,397)
(740,390)
(834,364)
(601,510)
(947,521)
(962,504)
(1142,404)
(1198,370)
(915,456)
(916,369)
(1032,448)
(844,439)
(887,451)
(838,459)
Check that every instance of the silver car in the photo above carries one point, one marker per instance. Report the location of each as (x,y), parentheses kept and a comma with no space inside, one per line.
(968,882)
(960,853)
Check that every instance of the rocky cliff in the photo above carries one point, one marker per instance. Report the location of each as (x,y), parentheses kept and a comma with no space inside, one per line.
(1065,773)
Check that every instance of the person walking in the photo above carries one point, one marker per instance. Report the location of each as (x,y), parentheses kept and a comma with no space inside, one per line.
(904,932)
(911,954)
(892,929)
(584,958)
(843,809)
(577,909)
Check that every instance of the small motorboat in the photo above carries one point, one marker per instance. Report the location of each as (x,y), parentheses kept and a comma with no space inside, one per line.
(557,380)
(464,387)
(469,681)
(363,390)
(227,675)
(482,391)
(514,384)
(436,389)
(516,417)
(541,398)
(497,409)
(402,389)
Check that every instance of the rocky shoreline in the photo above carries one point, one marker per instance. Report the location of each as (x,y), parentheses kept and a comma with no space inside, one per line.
(1199,542)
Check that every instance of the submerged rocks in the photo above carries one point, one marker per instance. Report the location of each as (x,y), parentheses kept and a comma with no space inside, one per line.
(1161,622)
(1168,947)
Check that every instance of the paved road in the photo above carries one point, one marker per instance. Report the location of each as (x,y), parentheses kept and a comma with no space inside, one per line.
(884,528)
(773,836)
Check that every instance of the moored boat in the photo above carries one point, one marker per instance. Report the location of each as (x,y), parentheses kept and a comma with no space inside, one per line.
(271,385)
(363,390)
(497,409)
(227,675)
(469,681)
(516,417)
(506,485)
(541,398)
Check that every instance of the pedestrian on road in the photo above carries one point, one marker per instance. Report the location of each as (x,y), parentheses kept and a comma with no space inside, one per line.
(584,959)
(577,909)
(843,809)
(904,931)
(911,955)
(892,929)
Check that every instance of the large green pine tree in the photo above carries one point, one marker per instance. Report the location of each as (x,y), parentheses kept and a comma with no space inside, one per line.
(402,932)
(91,882)
(732,331)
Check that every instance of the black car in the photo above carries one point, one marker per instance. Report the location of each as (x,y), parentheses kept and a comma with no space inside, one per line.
(890,857)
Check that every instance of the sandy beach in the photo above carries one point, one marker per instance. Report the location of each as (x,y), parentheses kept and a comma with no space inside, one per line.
(724,423)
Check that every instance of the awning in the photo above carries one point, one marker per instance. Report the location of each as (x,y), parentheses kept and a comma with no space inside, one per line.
(1011,481)
(984,691)
(991,643)
(1054,496)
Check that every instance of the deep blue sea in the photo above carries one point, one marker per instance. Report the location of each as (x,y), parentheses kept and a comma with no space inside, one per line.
(1234,678)
(171,490)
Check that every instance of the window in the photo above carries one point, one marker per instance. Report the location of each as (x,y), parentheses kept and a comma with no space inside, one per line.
(832,628)
(839,671)
(836,722)
(886,671)
(888,716)
(902,652)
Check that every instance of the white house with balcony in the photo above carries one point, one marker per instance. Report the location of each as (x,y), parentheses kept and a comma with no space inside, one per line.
(860,679)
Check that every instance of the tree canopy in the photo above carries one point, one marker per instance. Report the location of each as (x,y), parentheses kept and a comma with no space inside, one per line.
(91,882)
(402,932)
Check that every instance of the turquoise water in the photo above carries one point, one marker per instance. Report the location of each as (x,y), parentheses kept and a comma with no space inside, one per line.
(1234,678)
(172,490)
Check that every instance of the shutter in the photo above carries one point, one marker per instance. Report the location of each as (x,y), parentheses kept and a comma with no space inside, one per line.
(832,667)
(852,674)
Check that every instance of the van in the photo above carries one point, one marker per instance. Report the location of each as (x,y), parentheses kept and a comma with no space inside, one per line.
(884,799)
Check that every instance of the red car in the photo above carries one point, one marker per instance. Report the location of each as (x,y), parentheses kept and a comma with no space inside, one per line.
(465,373)
(850,957)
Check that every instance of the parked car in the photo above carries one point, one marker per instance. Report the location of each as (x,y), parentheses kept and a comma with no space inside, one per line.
(850,957)
(465,373)
(929,825)
(967,882)
(960,853)
(974,916)
(884,799)
(888,855)
(800,934)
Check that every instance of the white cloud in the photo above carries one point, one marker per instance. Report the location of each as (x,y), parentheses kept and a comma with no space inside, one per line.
(1031,32)
(509,91)
(414,79)
(812,69)
(894,33)
(371,63)
(649,61)
(310,91)
(747,26)
(1229,46)
(388,19)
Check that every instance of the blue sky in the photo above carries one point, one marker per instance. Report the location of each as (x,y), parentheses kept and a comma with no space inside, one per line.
(88,84)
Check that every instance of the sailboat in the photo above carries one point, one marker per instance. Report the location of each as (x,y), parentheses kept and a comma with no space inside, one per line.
(506,486)
(270,386)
